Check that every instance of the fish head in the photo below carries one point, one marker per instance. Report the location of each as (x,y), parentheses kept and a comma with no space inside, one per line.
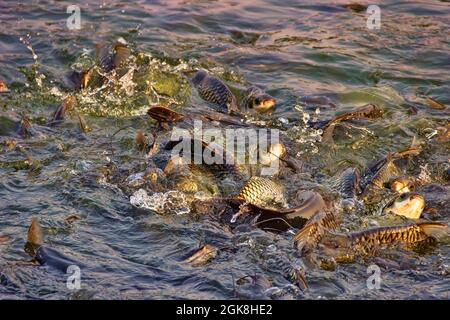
(3,87)
(194,75)
(372,111)
(409,205)
(403,185)
(263,102)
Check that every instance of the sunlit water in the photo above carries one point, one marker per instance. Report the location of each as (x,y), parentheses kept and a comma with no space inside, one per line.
(289,48)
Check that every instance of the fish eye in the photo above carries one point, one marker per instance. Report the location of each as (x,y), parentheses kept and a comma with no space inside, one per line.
(405,196)
(257,101)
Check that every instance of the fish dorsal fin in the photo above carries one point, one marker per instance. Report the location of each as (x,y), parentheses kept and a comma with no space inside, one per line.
(35,233)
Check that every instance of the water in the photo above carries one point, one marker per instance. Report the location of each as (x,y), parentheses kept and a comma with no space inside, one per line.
(291,49)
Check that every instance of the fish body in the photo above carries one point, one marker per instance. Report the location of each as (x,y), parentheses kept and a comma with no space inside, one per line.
(104,57)
(202,256)
(377,204)
(213,90)
(45,255)
(263,192)
(369,111)
(84,127)
(348,184)
(408,234)
(277,262)
(346,247)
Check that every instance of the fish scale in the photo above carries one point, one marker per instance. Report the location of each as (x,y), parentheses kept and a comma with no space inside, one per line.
(349,183)
(261,191)
(215,91)
(278,262)
(389,235)
(377,205)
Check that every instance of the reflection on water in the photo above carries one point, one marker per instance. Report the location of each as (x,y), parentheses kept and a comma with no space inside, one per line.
(291,49)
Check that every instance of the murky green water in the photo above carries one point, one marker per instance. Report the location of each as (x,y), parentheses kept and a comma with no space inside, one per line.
(291,49)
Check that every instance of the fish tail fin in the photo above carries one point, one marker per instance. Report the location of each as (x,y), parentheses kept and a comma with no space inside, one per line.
(35,233)
(163,114)
(434,229)
(233,107)
(66,106)
(413,150)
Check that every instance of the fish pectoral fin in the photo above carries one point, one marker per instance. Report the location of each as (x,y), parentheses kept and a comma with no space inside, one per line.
(315,228)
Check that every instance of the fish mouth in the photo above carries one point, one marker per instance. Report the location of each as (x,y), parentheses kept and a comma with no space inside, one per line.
(264,103)
(410,206)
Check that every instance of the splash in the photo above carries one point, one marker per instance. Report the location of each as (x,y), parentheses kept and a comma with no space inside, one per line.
(161,202)
(307,137)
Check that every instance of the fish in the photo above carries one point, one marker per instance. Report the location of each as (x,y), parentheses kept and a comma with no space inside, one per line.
(276,152)
(394,235)
(82,79)
(25,128)
(120,55)
(213,90)
(383,170)
(165,115)
(144,143)
(408,204)
(346,247)
(83,124)
(348,187)
(45,255)
(112,57)
(257,99)
(278,262)
(104,56)
(3,87)
(348,183)
(202,256)
(432,103)
(223,161)
(369,111)
(356,7)
(65,107)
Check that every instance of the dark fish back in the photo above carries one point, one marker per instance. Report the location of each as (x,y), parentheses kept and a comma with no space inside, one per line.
(349,183)
(215,91)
